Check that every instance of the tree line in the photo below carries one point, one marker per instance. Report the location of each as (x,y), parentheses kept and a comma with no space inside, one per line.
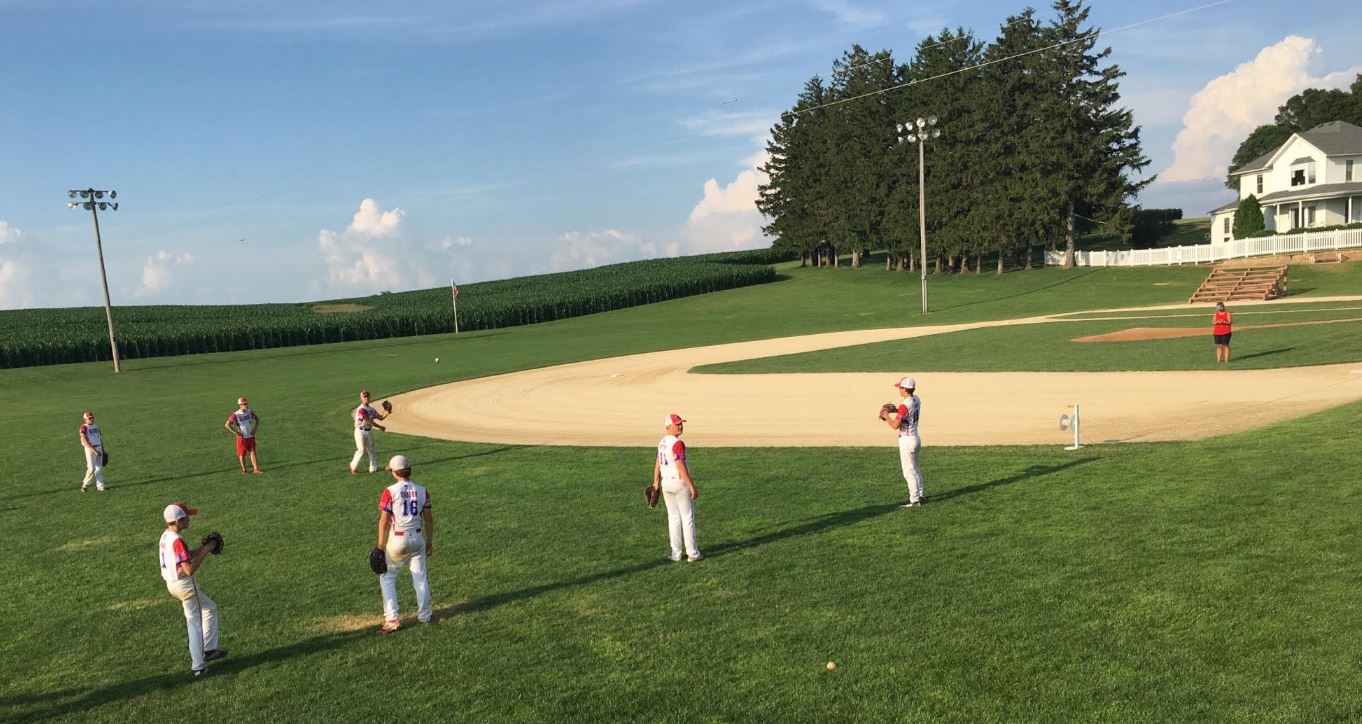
(1034,146)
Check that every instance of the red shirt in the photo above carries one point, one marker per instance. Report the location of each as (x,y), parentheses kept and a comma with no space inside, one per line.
(1221,323)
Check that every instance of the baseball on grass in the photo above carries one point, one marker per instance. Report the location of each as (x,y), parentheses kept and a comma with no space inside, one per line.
(437,359)
(832,665)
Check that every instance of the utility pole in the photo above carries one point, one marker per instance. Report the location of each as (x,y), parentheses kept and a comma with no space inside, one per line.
(94,202)
(918,132)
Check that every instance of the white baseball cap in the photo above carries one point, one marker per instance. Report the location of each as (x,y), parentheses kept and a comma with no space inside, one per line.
(398,462)
(241,401)
(907,383)
(672,419)
(176,511)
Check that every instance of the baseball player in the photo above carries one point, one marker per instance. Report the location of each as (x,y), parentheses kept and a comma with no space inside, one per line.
(904,422)
(243,423)
(178,566)
(672,473)
(366,418)
(93,441)
(406,531)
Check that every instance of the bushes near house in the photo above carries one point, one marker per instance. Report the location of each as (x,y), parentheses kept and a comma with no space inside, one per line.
(1248,218)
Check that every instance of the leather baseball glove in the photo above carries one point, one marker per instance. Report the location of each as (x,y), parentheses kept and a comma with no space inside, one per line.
(650,495)
(888,409)
(214,539)
(104,461)
(387,407)
(378,561)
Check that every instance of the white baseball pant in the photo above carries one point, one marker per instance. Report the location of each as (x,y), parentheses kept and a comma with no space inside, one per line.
(364,443)
(680,518)
(909,447)
(201,618)
(94,467)
(408,548)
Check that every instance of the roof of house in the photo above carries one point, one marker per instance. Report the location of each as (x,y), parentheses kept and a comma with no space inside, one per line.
(1231,205)
(1308,193)
(1335,138)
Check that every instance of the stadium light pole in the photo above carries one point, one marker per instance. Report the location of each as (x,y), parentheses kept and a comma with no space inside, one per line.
(93,200)
(918,132)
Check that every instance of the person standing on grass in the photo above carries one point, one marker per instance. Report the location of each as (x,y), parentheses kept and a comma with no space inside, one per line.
(93,441)
(178,565)
(406,531)
(366,419)
(904,423)
(671,474)
(243,423)
(1220,331)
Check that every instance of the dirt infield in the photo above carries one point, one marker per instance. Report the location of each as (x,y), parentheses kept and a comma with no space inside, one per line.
(620,401)
(1140,334)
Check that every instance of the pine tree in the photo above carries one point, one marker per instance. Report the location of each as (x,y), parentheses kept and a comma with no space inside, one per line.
(1248,218)
(796,170)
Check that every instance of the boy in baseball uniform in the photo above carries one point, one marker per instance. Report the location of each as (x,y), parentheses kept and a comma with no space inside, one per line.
(366,419)
(406,531)
(904,423)
(672,474)
(179,563)
(243,422)
(93,441)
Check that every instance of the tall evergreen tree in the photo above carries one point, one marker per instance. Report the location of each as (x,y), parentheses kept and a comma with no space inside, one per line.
(1248,218)
(796,172)
(1097,140)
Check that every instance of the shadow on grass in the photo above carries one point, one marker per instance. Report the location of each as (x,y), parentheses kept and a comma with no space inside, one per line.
(831,520)
(67,702)
(1034,471)
(1066,280)
(233,473)
(1243,357)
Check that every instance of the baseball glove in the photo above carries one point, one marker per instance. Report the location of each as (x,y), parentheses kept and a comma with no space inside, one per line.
(214,539)
(104,461)
(888,409)
(650,495)
(387,407)
(378,561)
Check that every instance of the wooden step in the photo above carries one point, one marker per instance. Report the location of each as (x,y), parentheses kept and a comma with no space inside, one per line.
(1241,284)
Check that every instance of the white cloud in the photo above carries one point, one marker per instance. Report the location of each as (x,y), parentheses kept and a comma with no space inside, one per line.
(159,271)
(577,250)
(377,252)
(848,12)
(16,288)
(752,124)
(726,218)
(9,233)
(1227,109)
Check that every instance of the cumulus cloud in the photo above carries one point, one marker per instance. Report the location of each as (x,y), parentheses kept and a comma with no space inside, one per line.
(586,250)
(9,233)
(159,271)
(16,288)
(1227,109)
(726,217)
(378,252)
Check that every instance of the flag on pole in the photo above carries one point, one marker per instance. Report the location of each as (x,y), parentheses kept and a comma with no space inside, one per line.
(454,288)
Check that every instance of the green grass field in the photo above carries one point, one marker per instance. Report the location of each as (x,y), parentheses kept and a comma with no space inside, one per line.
(1180,581)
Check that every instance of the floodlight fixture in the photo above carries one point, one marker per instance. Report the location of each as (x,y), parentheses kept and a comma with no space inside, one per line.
(921,122)
(94,203)
(931,120)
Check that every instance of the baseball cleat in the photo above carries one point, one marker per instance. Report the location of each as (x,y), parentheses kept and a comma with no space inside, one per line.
(354,471)
(696,558)
(390,626)
(85,488)
(915,504)
(214,655)
(198,673)
(100,488)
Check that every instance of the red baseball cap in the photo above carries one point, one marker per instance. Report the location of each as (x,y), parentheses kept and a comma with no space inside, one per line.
(88,414)
(672,419)
(241,401)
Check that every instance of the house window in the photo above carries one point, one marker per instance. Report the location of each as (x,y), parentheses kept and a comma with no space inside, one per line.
(1303,174)
(1260,179)
(1347,170)
(1297,177)
(1309,216)
(1227,226)
(1295,218)
(1310,173)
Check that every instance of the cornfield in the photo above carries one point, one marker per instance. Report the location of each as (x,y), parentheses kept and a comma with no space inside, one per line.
(58,336)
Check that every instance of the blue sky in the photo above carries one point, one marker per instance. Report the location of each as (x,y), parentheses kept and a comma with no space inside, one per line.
(268,151)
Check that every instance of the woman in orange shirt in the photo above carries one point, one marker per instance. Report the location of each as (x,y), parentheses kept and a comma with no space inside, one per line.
(1220,329)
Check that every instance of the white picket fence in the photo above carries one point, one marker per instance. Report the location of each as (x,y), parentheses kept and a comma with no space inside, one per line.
(1305,243)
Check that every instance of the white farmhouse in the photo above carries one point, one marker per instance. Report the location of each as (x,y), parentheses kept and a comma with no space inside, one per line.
(1314,179)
